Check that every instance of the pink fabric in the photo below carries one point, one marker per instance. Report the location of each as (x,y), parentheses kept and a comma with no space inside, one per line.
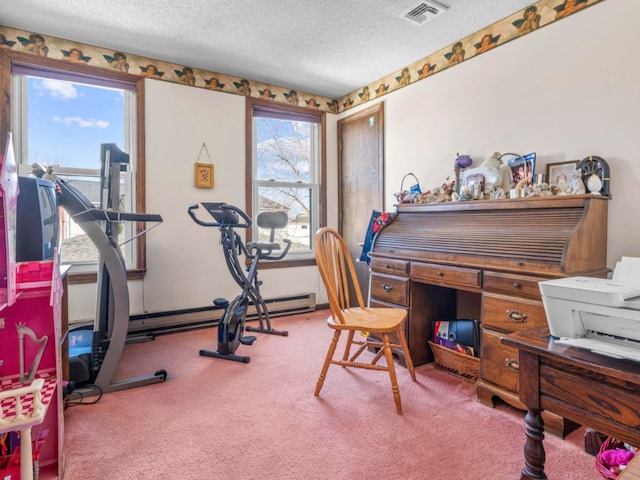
(617,457)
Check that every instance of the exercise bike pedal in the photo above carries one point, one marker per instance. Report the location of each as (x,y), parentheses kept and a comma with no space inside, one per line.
(269,331)
(221,302)
(229,356)
(248,340)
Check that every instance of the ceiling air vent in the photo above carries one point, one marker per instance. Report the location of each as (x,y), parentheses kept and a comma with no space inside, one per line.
(424,12)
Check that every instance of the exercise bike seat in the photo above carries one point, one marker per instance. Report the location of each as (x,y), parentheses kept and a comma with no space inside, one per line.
(265,247)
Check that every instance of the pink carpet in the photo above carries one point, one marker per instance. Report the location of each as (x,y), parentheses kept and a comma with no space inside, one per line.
(215,419)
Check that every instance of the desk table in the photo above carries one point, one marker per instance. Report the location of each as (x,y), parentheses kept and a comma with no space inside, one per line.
(632,472)
(591,389)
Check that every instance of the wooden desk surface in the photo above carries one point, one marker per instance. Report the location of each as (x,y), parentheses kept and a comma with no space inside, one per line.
(591,389)
(632,472)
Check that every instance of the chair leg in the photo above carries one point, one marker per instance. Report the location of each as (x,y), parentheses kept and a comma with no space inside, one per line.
(392,372)
(347,348)
(327,362)
(407,355)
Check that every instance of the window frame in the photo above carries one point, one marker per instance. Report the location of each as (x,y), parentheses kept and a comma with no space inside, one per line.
(8,59)
(322,172)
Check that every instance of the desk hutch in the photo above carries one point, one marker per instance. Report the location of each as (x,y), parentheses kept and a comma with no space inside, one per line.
(483,260)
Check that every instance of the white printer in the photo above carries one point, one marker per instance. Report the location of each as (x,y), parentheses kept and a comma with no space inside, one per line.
(602,315)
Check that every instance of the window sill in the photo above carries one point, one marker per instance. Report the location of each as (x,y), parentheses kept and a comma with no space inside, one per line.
(92,277)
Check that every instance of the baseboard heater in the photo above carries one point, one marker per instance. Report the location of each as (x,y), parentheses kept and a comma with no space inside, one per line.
(178,320)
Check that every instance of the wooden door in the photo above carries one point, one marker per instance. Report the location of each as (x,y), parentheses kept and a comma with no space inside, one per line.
(360,178)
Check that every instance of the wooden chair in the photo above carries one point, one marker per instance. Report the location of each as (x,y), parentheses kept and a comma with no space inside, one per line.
(337,272)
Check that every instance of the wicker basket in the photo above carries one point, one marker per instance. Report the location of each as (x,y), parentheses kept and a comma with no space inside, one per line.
(608,444)
(464,366)
(408,196)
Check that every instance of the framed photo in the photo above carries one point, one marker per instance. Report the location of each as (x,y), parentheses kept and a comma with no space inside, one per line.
(204,175)
(523,168)
(559,174)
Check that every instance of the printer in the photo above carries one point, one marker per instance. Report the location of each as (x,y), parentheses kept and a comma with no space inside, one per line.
(602,315)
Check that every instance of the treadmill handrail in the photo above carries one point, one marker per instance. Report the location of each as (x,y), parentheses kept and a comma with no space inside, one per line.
(93,214)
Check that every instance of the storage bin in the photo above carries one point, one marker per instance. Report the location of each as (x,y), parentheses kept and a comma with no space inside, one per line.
(464,366)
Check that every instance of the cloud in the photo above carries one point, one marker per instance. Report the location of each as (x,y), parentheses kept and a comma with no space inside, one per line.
(56,89)
(81,122)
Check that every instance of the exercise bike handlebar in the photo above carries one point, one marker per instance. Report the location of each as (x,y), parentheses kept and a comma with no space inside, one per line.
(224,215)
(230,216)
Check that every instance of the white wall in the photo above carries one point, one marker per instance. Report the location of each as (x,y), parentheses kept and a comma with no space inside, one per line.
(185,265)
(567,91)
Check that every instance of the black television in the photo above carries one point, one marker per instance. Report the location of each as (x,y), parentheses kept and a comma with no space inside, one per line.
(37,220)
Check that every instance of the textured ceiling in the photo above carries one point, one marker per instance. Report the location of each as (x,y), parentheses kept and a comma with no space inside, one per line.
(325,47)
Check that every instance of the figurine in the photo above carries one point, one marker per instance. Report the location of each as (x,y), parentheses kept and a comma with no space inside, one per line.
(490,169)
(497,193)
(577,185)
(465,194)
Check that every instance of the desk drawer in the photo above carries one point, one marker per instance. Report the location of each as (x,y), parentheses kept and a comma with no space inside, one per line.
(390,289)
(499,364)
(390,266)
(510,314)
(445,275)
(510,284)
(591,393)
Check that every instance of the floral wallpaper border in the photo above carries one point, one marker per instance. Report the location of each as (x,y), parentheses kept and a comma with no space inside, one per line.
(520,23)
(74,52)
(525,21)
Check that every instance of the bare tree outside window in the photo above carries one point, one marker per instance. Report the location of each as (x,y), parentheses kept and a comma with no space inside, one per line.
(286,169)
(286,176)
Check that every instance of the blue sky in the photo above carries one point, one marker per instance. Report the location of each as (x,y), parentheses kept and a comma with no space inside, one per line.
(68,122)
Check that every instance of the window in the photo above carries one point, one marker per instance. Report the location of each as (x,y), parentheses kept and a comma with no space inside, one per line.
(60,117)
(286,164)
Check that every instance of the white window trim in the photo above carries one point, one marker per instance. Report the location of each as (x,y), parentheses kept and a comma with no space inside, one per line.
(19,104)
(314,187)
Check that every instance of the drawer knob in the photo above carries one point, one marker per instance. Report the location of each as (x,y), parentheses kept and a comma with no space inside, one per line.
(512,364)
(517,316)
(440,274)
(516,285)
(387,266)
(386,287)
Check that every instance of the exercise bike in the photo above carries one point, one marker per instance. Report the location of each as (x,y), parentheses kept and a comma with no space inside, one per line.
(231,327)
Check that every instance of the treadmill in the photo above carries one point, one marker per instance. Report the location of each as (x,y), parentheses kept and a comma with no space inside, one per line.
(94,354)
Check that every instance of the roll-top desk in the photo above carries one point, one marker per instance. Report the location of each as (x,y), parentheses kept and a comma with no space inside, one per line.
(484,259)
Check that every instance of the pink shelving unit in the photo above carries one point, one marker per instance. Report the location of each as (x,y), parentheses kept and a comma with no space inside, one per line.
(30,360)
